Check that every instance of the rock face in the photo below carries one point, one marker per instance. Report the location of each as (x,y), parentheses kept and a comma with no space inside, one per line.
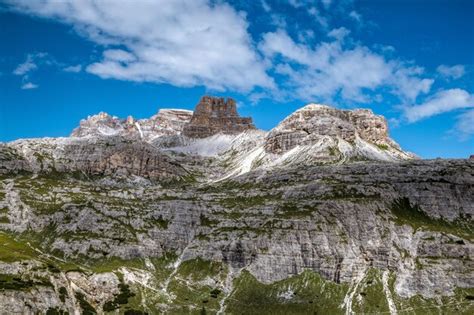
(216,115)
(166,122)
(312,122)
(110,221)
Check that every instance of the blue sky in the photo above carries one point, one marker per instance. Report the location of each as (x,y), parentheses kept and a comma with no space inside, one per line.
(411,61)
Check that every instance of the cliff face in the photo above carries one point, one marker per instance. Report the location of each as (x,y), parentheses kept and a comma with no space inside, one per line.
(166,122)
(262,223)
(216,115)
(311,123)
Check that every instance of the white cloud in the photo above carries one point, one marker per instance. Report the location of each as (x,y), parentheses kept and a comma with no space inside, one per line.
(465,125)
(451,72)
(442,102)
(319,18)
(30,64)
(339,33)
(29,86)
(266,7)
(74,69)
(356,16)
(25,67)
(331,69)
(184,43)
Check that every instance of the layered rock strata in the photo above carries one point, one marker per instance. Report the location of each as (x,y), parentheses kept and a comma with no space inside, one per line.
(308,124)
(216,115)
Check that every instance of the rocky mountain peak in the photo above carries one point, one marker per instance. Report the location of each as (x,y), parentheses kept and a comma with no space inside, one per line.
(216,115)
(166,122)
(313,122)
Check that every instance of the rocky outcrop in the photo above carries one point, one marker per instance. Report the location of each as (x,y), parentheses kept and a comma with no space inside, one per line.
(118,218)
(166,122)
(312,122)
(411,221)
(107,156)
(216,115)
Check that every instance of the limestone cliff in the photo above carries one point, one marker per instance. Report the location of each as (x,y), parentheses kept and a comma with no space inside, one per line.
(216,115)
(323,214)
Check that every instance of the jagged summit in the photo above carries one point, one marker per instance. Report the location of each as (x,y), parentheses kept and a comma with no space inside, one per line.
(314,134)
(314,122)
(132,216)
(165,122)
(215,115)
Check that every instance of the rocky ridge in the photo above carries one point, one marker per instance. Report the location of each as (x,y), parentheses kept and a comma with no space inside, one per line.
(324,213)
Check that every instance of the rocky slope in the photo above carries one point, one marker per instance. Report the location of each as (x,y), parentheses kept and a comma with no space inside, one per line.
(323,214)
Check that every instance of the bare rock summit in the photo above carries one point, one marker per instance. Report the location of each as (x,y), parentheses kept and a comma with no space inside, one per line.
(216,115)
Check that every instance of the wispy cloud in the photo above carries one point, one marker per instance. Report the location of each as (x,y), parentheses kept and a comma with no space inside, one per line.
(29,86)
(30,64)
(464,127)
(266,7)
(73,69)
(356,16)
(451,72)
(25,68)
(442,102)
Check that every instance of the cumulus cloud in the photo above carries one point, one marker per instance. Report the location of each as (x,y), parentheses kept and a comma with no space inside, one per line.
(74,69)
(451,72)
(442,102)
(29,86)
(331,69)
(339,33)
(184,43)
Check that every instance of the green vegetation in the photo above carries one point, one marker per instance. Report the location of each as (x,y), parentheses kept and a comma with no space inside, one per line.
(4,219)
(370,297)
(407,214)
(56,311)
(62,294)
(189,288)
(244,202)
(119,299)
(382,146)
(162,222)
(12,250)
(205,221)
(113,264)
(333,151)
(87,309)
(306,293)
(461,303)
(290,210)
(199,269)
(15,282)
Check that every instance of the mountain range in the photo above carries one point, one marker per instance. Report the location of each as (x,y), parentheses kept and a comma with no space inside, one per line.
(201,212)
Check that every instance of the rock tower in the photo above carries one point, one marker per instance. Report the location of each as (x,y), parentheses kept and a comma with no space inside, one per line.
(216,115)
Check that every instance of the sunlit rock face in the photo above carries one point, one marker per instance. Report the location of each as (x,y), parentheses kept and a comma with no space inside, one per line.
(166,122)
(216,115)
(308,124)
(324,214)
